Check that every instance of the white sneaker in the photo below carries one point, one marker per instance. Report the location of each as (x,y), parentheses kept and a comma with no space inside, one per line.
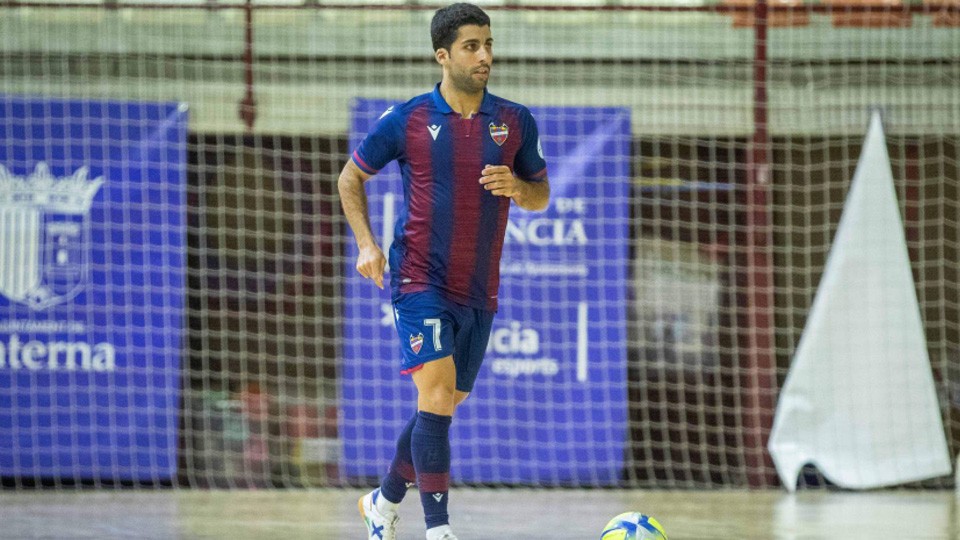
(441,533)
(380,525)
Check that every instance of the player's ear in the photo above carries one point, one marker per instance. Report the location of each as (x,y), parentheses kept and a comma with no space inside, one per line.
(441,55)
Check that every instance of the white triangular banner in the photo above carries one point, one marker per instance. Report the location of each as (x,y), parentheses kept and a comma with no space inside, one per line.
(859,400)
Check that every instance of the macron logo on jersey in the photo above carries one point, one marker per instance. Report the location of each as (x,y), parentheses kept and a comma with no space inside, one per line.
(386,112)
(434,131)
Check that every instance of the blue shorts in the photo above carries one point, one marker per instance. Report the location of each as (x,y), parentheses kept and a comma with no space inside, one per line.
(432,327)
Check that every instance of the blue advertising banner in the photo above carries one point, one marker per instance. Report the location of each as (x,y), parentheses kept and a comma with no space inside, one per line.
(92,261)
(550,404)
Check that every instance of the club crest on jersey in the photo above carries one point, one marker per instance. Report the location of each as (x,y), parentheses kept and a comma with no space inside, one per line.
(499,133)
(416,342)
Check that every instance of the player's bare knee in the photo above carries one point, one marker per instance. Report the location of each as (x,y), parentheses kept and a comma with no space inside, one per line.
(438,400)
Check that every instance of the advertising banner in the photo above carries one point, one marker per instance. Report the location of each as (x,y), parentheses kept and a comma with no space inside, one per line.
(92,260)
(549,406)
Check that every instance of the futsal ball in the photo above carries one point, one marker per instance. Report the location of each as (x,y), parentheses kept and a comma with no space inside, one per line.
(633,526)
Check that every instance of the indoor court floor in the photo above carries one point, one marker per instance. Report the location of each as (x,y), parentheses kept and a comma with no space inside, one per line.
(480,514)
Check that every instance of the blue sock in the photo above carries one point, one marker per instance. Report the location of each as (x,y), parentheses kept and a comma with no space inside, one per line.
(431,459)
(393,487)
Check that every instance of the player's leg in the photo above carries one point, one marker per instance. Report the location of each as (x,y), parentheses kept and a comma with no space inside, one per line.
(401,475)
(423,331)
(436,386)
(430,443)
(447,390)
(426,328)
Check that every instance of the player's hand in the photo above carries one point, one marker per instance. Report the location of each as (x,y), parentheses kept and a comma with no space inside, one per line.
(500,181)
(371,263)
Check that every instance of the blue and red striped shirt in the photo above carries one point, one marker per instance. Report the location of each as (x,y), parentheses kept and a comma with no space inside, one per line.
(449,233)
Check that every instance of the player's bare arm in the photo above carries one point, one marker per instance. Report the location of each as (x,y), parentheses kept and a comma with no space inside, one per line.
(500,180)
(371,261)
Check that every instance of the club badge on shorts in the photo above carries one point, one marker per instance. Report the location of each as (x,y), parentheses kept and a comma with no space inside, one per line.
(416,342)
(499,133)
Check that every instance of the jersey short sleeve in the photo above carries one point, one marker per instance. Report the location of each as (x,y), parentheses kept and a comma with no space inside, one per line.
(382,145)
(529,163)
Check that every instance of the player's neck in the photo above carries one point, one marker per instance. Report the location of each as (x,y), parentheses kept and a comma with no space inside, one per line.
(461,102)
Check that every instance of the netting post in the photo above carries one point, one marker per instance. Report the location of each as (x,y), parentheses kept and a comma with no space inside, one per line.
(248,105)
(759,363)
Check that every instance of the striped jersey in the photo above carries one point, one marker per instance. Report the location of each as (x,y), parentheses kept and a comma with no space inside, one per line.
(449,233)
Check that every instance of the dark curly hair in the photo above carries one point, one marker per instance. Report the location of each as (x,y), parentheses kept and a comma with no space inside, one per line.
(448,20)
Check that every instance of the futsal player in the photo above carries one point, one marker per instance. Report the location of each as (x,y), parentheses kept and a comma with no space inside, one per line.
(464,155)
